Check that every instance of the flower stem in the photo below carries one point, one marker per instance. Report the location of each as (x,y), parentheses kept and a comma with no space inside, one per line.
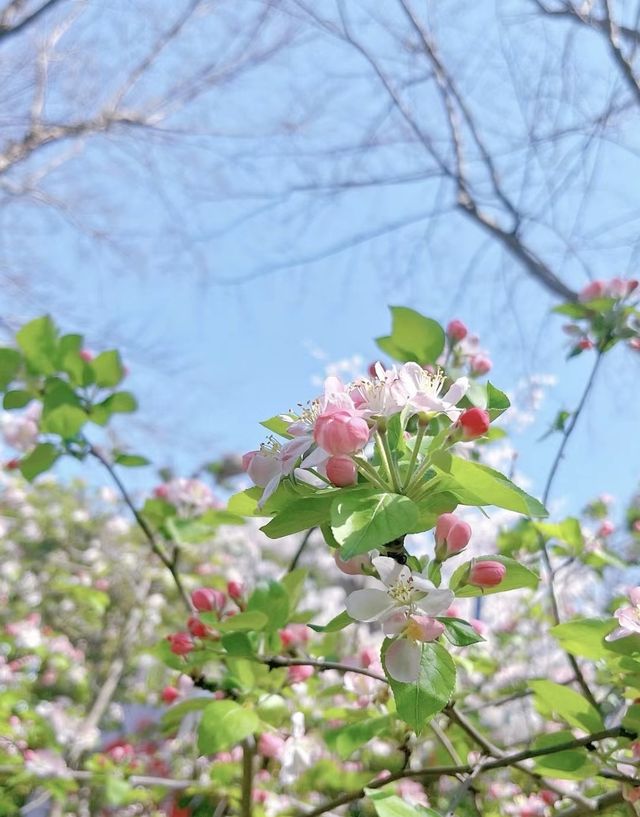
(387,457)
(414,456)
(421,471)
(370,473)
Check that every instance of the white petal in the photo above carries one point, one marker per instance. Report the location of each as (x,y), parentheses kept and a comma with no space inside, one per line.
(315,458)
(269,489)
(457,391)
(369,604)
(291,451)
(436,602)
(396,622)
(422,584)
(402,660)
(389,570)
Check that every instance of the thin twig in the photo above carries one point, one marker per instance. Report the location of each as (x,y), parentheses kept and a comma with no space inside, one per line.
(144,527)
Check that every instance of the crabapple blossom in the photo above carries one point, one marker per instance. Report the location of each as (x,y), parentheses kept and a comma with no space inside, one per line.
(299,673)
(273,461)
(197,628)
(270,745)
(180,643)
(206,599)
(456,330)
(480,364)
(473,422)
(596,289)
(452,535)
(341,432)
(423,391)
(170,694)
(628,617)
(487,574)
(235,589)
(354,566)
(342,471)
(294,635)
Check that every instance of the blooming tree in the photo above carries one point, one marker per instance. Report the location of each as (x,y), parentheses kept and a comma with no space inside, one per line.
(383,623)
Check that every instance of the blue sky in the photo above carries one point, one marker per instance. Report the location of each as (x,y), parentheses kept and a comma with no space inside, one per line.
(210,355)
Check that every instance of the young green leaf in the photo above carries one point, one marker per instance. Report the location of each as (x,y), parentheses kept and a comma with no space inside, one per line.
(363,521)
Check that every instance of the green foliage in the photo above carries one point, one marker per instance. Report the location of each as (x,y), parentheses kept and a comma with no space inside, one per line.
(413,337)
(418,702)
(361,521)
(225,724)
(517,577)
(39,460)
(552,698)
(476,484)
(388,804)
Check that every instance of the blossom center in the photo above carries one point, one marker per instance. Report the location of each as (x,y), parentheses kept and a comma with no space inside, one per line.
(402,592)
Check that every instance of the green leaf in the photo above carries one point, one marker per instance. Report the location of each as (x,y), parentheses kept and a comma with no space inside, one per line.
(273,601)
(38,341)
(346,739)
(566,703)
(39,460)
(413,337)
(497,401)
(130,460)
(476,484)
(585,637)
(122,402)
(363,521)
(10,361)
(301,514)
(416,703)
(573,764)
(116,791)
(459,632)
(293,583)
(238,645)
(277,425)
(250,620)
(517,577)
(568,531)
(108,369)
(245,503)
(64,420)
(388,804)
(225,724)
(173,717)
(341,621)
(17,399)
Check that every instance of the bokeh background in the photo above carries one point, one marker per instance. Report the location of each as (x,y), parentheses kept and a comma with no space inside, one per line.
(233,192)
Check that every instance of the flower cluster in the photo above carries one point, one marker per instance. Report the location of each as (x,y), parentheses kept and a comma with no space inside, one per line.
(606,313)
(384,451)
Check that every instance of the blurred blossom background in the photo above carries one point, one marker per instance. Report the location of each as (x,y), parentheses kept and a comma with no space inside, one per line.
(233,194)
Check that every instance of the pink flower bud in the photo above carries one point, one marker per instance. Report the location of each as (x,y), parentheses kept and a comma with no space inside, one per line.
(424,628)
(606,528)
(206,599)
(86,355)
(367,656)
(634,344)
(354,566)
(585,344)
(161,491)
(487,574)
(169,695)
(474,423)
(270,745)
(342,471)
(456,330)
(235,589)
(480,365)
(596,289)
(341,432)
(181,643)
(452,534)
(197,628)
(636,526)
(299,673)
(294,635)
